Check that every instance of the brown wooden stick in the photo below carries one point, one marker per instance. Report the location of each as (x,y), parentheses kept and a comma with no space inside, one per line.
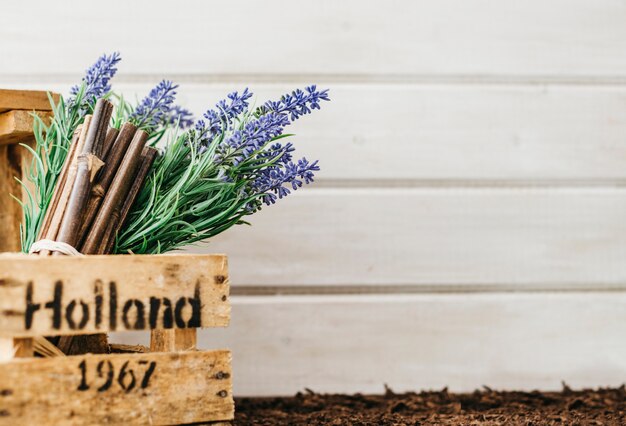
(117,153)
(52,229)
(54,214)
(95,138)
(117,192)
(64,344)
(88,165)
(56,195)
(82,344)
(109,140)
(98,343)
(120,215)
(102,183)
(108,240)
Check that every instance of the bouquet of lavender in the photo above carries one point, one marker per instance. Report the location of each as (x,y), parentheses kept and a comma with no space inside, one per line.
(208,175)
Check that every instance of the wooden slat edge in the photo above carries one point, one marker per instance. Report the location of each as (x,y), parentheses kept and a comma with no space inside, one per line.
(17,126)
(25,100)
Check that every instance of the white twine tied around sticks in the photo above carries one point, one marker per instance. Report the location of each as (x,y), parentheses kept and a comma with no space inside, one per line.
(57,246)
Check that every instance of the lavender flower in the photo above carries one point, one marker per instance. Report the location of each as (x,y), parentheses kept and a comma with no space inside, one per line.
(277,150)
(238,104)
(231,164)
(271,181)
(275,170)
(223,117)
(180,115)
(154,109)
(297,103)
(96,80)
(254,136)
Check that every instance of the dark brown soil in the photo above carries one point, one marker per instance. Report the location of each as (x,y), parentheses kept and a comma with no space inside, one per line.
(486,407)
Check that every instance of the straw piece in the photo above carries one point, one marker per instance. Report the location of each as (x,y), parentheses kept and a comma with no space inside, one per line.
(44,347)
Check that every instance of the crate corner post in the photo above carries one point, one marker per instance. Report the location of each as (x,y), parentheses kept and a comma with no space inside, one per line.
(17,108)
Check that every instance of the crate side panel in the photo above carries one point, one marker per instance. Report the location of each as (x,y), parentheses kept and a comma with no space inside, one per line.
(157,388)
(79,295)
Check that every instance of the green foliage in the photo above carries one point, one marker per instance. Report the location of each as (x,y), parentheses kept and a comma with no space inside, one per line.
(185,200)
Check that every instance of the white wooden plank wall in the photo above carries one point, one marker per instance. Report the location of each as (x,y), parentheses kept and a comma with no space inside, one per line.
(424,341)
(467,227)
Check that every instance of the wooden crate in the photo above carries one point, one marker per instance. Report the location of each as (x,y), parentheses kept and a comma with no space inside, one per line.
(171,295)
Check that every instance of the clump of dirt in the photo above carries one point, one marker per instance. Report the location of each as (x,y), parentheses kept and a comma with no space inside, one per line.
(484,407)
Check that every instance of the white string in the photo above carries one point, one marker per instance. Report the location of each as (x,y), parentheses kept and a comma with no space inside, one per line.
(57,246)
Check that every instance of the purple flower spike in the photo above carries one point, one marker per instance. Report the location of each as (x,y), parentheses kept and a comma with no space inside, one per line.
(271,180)
(277,150)
(238,104)
(154,109)
(297,103)
(97,79)
(254,136)
(227,111)
(179,115)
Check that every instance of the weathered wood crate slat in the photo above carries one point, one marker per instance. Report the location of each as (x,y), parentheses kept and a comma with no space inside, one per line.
(153,388)
(42,295)
(17,126)
(28,100)
(171,295)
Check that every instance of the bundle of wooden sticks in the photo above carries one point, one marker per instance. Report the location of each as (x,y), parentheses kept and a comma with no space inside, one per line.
(100,180)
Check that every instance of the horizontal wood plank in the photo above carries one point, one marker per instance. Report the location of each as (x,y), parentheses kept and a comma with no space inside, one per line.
(437,134)
(563,37)
(28,100)
(17,126)
(80,295)
(359,343)
(514,341)
(419,236)
(157,388)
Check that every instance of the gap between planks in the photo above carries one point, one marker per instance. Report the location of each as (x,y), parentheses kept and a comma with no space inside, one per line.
(329,78)
(339,183)
(331,290)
